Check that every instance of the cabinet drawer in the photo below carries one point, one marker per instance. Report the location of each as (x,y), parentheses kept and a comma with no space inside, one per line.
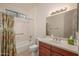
(44,51)
(44,45)
(63,52)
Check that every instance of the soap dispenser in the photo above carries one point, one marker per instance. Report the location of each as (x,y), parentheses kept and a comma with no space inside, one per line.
(71,40)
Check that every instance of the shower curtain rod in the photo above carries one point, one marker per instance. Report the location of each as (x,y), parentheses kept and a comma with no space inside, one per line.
(4,12)
(15,14)
(14,11)
(18,14)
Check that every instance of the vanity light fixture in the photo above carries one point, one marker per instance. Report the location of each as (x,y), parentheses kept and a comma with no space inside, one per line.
(58,11)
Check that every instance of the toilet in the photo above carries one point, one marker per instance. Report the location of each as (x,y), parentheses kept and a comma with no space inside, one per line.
(34,49)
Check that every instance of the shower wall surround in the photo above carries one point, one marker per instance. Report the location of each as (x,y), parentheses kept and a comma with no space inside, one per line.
(22,33)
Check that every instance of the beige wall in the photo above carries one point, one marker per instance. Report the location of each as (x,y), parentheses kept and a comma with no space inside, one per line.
(27,9)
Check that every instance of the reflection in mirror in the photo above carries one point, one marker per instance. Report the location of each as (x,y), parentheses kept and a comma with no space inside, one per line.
(63,24)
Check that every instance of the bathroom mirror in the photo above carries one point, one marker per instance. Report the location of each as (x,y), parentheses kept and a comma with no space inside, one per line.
(63,24)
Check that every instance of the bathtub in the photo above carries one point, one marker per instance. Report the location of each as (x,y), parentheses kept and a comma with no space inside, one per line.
(23,46)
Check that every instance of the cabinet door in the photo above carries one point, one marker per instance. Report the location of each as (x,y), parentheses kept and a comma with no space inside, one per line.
(44,49)
(44,45)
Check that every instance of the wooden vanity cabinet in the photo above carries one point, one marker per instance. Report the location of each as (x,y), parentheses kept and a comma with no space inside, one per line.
(48,50)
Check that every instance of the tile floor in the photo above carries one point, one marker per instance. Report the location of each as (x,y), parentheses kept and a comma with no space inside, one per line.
(26,53)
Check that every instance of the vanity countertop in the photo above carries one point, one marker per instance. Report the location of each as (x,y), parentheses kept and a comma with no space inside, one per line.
(61,44)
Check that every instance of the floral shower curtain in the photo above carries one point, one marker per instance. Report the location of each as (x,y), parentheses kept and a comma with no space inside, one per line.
(8,47)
